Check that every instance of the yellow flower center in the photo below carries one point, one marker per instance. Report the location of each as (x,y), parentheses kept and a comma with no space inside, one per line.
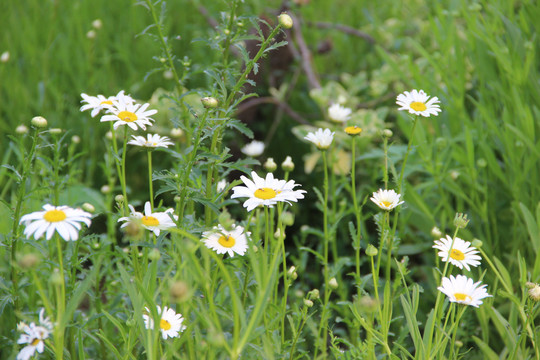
(54,215)
(35,342)
(164,324)
(149,221)
(106,102)
(226,241)
(418,106)
(462,297)
(265,193)
(353,130)
(457,255)
(127,116)
(386,203)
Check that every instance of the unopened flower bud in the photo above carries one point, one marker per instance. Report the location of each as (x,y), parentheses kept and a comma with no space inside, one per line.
(458,343)
(285,20)
(371,250)
(387,133)
(436,233)
(179,291)
(454,174)
(367,304)
(534,293)
(168,75)
(209,102)
(39,122)
(278,234)
(75,139)
(56,278)
(177,132)
(308,303)
(288,164)
(21,129)
(314,294)
(461,221)
(154,255)
(108,135)
(177,198)
(270,165)
(481,162)
(292,273)
(91,34)
(4,57)
(119,198)
(477,243)
(29,261)
(226,31)
(96,245)
(55,131)
(287,218)
(88,207)
(105,189)
(333,283)
(97,24)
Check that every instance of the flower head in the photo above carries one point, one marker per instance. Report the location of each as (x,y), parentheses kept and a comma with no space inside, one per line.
(353,130)
(418,103)
(224,241)
(170,322)
(124,111)
(321,138)
(34,335)
(62,219)
(96,103)
(462,290)
(339,113)
(386,199)
(460,254)
(254,148)
(266,192)
(152,221)
(151,141)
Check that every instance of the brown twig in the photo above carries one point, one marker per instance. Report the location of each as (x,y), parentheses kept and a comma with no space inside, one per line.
(305,54)
(271,100)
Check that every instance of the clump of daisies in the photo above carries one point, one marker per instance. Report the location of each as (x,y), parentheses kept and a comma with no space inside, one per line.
(170,323)
(266,191)
(34,336)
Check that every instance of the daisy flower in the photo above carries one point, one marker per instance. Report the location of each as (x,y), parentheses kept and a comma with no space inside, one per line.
(152,221)
(96,103)
(151,141)
(223,241)
(221,185)
(62,219)
(353,130)
(418,103)
(170,322)
(34,335)
(460,254)
(462,290)
(321,138)
(266,192)
(386,199)
(125,112)
(339,113)
(254,148)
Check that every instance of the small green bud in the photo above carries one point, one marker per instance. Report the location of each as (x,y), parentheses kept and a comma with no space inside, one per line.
(154,255)
(105,189)
(314,294)
(270,165)
(177,132)
(119,198)
(227,32)
(371,250)
(76,139)
(477,243)
(285,20)
(461,221)
(481,162)
(55,131)
(88,207)
(333,283)
(21,129)
(39,122)
(436,233)
(177,199)
(209,102)
(287,218)
(367,304)
(179,291)
(387,133)
(308,303)
(288,164)
(56,278)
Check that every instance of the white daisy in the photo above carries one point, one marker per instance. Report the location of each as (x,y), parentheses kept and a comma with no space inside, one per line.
(34,335)
(321,138)
(460,254)
(221,185)
(254,148)
(170,323)
(462,290)
(125,112)
(386,199)
(151,141)
(339,113)
(223,241)
(418,103)
(152,221)
(266,192)
(63,219)
(96,103)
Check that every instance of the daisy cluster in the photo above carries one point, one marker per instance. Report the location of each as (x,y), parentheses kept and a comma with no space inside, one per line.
(34,336)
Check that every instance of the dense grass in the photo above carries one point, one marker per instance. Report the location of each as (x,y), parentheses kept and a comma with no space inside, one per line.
(480,156)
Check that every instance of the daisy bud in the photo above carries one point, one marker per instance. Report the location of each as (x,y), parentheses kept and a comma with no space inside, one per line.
(4,57)
(387,133)
(88,207)
(39,122)
(96,245)
(530,285)
(299,293)
(168,75)
(240,24)
(29,261)
(308,303)
(454,174)
(278,234)
(255,249)
(21,129)
(55,131)
(97,24)
(56,278)
(314,294)
(477,243)
(91,34)
(436,233)
(270,165)
(179,291)
(75,139)
(287,218)
(481,163)
(131,323)
(176,133)
(154,255)
(177,199)
(105,189)
(162,60)
(209,102)
(458,343)
(288,164)
(108,135)
(226,31)
(461,221)
(118,198)
(371,250)
(367,304)
(333,283)
(291,271)
(285,20)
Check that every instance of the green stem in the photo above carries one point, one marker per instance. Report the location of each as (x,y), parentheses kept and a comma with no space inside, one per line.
(356,241)
(150,185)
(60,304)
(299,330)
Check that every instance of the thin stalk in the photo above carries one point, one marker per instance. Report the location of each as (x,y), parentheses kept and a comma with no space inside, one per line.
(356,242)
(299,330)
(60,304)
(454,333)
(150,185)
